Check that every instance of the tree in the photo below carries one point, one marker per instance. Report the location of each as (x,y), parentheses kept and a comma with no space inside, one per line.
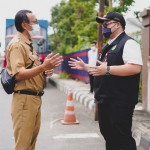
(74,24)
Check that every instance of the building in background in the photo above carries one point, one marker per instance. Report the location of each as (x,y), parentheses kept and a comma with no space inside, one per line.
(134,29)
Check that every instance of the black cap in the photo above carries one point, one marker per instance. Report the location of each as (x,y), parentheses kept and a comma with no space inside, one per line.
(112,16)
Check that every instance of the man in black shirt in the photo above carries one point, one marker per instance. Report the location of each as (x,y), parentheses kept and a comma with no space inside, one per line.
(116,82)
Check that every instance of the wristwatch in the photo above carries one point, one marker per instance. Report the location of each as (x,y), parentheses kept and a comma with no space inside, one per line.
(108,70)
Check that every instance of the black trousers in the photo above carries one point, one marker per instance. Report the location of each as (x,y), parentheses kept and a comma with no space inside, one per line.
(91,82)
(115,124)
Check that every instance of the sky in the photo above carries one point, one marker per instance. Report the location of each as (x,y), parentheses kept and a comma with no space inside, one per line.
(41,8)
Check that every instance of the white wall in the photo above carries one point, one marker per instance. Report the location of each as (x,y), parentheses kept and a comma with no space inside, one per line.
(132,25)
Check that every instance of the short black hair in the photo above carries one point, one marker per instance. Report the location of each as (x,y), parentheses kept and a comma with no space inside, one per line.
(21,17)
(93,42)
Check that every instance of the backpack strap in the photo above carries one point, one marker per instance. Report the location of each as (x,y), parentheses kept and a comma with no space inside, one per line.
(30,65)
(31,49)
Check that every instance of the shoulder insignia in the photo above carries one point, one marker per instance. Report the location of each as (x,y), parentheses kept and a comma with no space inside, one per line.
(14,47)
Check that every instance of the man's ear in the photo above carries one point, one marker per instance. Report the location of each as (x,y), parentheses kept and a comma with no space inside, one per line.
(23,25)
(119,25)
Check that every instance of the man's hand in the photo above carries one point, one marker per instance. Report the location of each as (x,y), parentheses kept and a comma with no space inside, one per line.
(77,64)
(52,61)
(49,72)
(98,70)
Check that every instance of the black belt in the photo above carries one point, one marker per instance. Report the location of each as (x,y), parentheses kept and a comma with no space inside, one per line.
(30,92)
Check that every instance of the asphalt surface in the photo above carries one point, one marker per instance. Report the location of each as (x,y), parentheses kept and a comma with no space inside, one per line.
(53,135)
(141,118)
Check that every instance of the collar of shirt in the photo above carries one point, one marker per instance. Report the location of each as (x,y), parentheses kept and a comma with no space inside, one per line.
(110,41)
(24,38)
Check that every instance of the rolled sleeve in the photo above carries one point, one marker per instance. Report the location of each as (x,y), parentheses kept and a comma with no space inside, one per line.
(132,53)
(17,59)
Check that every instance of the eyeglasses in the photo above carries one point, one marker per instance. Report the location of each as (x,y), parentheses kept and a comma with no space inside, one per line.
(35,22)
(106,24)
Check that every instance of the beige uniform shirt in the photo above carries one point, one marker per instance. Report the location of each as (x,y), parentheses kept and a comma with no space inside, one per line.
(19,56)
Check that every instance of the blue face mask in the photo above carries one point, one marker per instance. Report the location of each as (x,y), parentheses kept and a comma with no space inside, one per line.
(107,32)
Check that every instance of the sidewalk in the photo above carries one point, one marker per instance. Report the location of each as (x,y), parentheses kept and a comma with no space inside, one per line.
(141,119)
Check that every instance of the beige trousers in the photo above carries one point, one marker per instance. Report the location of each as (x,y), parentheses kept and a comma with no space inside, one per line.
(26,118)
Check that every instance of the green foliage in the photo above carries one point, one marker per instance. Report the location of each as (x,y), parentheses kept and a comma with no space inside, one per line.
(137,14)
(119,5)
(64,75)
(137,36)
(74,25)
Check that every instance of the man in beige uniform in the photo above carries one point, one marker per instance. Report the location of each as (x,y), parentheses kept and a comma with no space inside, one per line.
(23,63)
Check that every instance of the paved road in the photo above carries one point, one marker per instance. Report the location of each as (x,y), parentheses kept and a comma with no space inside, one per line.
(54,136)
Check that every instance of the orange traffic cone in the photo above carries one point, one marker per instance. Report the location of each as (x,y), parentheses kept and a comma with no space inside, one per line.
(69,117)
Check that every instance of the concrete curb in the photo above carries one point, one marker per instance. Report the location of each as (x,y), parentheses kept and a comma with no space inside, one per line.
(141,133)
(145,142)
(141,119)
(79,93)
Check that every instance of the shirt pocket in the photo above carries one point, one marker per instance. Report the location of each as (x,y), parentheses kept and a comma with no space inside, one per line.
(33,58)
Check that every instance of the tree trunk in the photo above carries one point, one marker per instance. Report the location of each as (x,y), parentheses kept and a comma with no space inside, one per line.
(121,2)
(110,2)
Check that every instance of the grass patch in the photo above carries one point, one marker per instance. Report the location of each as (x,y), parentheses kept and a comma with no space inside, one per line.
(64,75)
